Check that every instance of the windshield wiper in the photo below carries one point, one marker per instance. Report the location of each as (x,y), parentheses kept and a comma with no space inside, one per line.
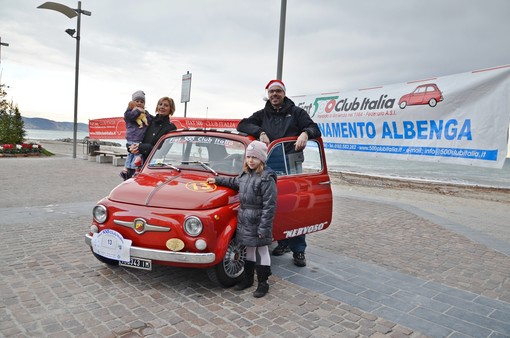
(204,165)
(164,165)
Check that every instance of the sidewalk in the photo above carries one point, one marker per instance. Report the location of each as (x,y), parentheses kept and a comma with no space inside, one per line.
(394,263)
(418,268)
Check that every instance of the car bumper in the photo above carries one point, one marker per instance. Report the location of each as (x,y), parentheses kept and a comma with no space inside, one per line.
(166,256)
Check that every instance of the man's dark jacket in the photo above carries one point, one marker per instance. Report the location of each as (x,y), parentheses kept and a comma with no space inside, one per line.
(289,120)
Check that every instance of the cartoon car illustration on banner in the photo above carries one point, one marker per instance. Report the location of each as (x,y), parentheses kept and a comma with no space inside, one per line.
(424,94)
(169,215)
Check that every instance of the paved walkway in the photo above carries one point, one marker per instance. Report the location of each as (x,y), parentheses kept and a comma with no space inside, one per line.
(436,291)
(385,268)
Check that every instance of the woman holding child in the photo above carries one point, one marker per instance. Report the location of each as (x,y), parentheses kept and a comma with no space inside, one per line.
(159,126)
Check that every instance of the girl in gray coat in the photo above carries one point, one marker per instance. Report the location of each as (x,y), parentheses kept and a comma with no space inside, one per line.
(257,194)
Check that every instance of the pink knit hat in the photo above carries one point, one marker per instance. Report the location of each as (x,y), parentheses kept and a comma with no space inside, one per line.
(257,149)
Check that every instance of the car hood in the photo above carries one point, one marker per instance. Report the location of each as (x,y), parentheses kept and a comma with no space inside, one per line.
(178,190)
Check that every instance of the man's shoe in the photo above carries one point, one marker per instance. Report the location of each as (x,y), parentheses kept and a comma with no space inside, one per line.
(280,250)
(299,259)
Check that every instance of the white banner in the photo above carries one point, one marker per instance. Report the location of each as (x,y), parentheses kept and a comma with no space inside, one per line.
(460,119)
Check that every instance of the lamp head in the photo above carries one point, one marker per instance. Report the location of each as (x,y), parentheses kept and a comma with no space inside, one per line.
(71,32)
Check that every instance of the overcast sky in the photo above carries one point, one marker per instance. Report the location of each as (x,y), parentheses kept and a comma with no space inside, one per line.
(231,49)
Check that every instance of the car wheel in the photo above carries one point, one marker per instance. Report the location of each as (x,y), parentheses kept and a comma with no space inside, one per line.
(403,104)
(105,260)
(230,270)
(432,102)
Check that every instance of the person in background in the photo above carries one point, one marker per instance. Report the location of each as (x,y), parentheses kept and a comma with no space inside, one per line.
(159,126)
(134,132)
(280,118)
(257,196)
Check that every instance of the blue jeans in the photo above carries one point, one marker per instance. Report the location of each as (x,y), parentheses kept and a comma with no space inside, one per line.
(296,244)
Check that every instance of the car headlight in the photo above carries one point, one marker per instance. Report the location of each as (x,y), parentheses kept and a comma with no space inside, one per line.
(193,226)
(100,213)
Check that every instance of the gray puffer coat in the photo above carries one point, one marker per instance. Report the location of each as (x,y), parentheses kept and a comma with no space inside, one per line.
(257,194)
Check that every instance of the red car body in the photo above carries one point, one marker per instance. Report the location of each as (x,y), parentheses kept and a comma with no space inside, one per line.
(169,215)
(424,94)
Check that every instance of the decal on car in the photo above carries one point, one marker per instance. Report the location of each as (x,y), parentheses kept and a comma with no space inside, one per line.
(200,186)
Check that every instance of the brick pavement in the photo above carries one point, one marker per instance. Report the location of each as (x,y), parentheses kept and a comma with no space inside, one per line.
(403,267)
(379,271)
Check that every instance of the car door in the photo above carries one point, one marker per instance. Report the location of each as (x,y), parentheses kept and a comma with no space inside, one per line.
(305,200)
(418,96)
(432,93)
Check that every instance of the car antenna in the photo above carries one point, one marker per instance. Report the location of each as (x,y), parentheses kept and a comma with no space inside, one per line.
(206,112)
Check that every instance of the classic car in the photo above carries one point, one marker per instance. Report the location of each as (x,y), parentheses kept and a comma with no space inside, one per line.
(169,215)
(424,94)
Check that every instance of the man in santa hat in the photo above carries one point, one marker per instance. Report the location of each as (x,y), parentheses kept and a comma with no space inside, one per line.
(279,118)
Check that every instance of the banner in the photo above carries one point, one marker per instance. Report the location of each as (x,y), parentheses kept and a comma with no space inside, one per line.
(114,128)
(460,119)
(111,128)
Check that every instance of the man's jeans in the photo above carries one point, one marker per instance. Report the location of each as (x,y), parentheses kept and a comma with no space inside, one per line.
(296,244)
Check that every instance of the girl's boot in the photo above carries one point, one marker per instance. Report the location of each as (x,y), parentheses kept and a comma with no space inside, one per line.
(249,268)
(263,272)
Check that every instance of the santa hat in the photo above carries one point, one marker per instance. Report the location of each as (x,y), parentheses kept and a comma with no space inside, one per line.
(275,83)
(271,84)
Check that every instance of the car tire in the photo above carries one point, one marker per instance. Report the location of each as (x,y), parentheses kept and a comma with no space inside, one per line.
(107,261)
(230,270)
(432,102)
(402,104)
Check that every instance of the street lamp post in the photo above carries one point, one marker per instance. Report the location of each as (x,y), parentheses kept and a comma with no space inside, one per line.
(2,44)
(71,13)
(281,41)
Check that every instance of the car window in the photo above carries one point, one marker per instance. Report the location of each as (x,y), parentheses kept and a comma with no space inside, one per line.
(221,154)
(284,160)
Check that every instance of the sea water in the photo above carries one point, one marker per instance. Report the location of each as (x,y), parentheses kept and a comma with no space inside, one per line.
(42,134)
(420,170)
(338,161)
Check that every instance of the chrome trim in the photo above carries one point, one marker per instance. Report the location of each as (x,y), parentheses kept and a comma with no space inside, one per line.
(325,182)
(166,256)
(147,226)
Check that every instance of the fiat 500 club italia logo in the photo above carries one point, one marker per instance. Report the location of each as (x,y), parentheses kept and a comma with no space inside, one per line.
(421,95)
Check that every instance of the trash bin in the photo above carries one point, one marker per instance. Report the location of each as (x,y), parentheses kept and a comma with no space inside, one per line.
(92,147)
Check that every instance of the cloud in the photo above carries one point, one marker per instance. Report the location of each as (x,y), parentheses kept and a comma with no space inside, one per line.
(230,47)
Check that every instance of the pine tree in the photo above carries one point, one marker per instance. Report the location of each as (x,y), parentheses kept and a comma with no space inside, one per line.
(12,127)
(4,125)
(17,125)
(4,117)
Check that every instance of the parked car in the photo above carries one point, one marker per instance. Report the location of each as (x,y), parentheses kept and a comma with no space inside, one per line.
(424,94)
(168,214)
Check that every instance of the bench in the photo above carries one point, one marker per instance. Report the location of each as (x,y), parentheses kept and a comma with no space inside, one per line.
(106,156)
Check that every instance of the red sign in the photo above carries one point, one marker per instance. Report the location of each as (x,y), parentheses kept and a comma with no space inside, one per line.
(107,128)
(115,127)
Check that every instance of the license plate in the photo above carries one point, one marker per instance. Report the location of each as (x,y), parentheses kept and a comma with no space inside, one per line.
(138,263)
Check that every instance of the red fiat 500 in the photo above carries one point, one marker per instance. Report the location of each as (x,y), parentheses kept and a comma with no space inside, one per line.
(424,94)
(169,215)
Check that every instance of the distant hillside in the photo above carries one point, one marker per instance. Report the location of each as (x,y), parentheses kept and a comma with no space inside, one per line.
(45,124)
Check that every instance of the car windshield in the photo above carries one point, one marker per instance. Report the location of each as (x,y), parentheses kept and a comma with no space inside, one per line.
(199,152)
